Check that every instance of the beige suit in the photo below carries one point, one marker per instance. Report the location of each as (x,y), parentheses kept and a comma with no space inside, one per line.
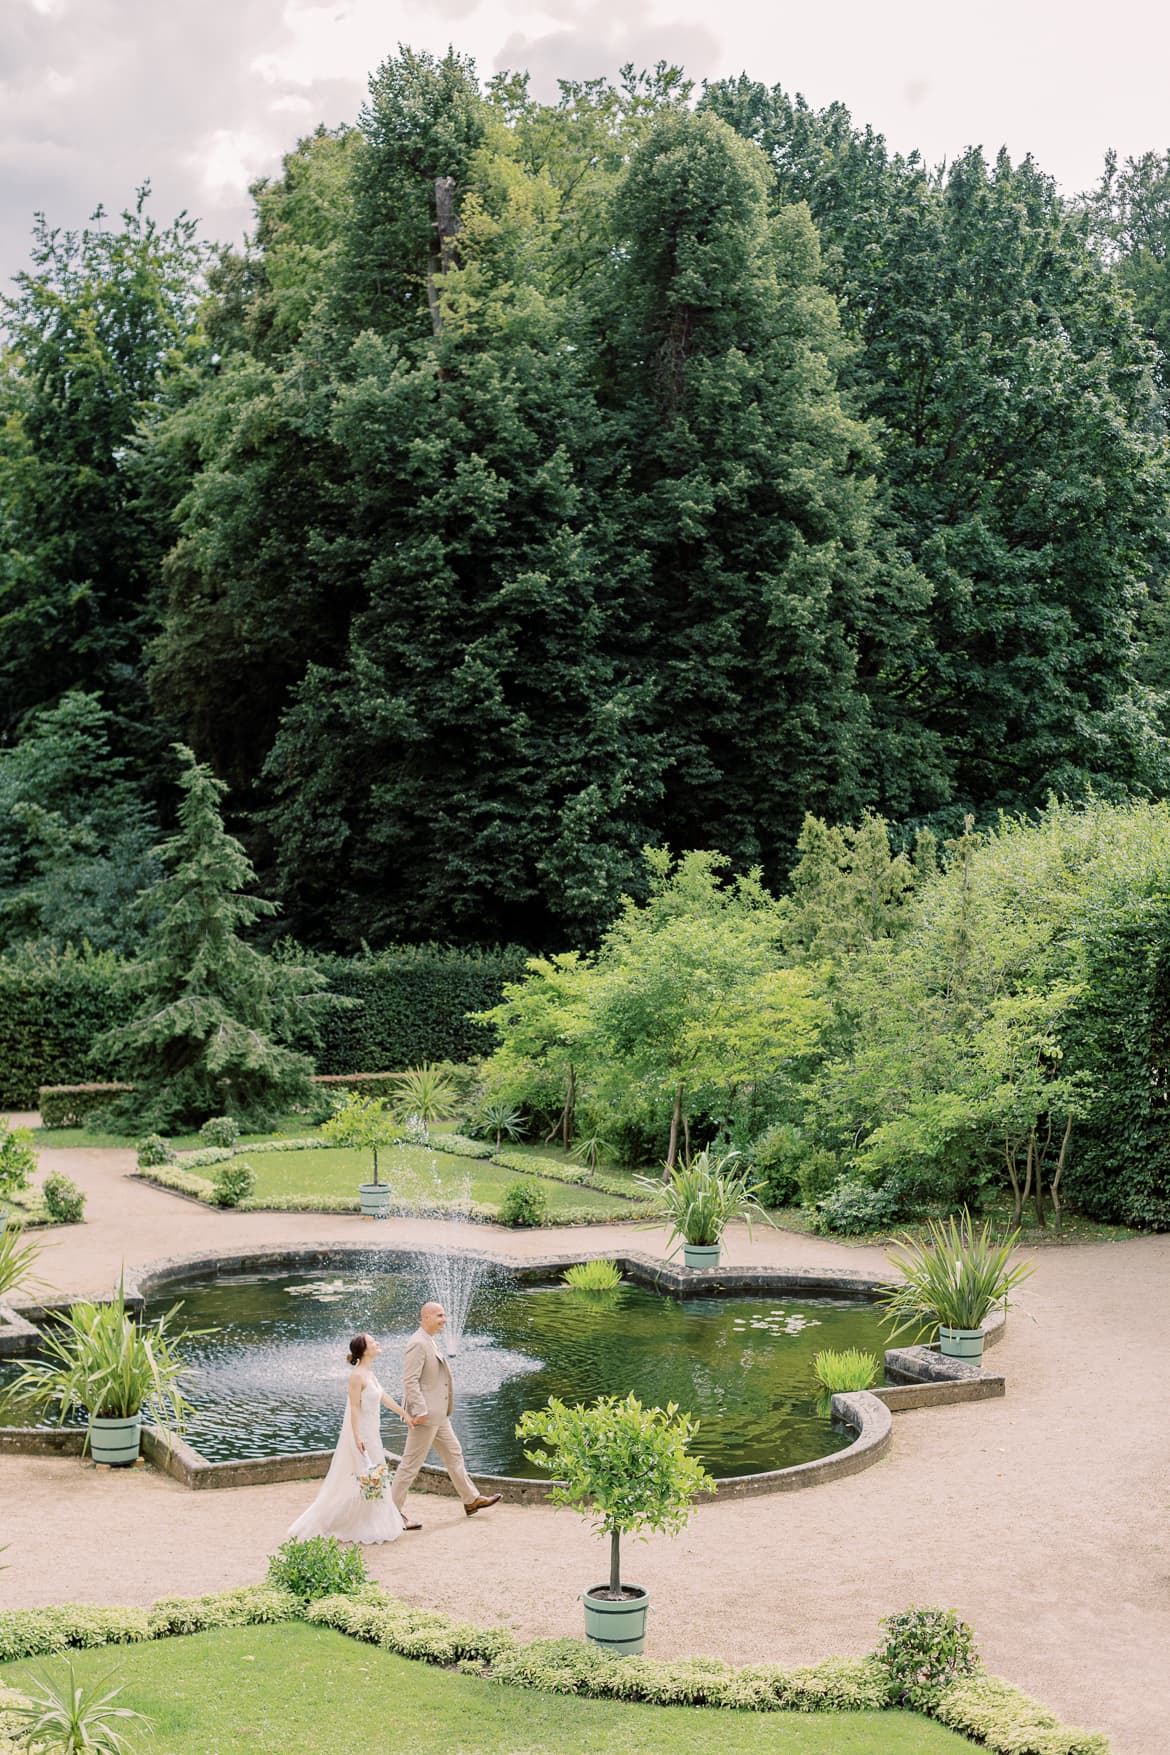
(429,1391)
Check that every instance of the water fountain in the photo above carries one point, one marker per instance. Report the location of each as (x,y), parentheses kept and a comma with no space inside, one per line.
(452,1276)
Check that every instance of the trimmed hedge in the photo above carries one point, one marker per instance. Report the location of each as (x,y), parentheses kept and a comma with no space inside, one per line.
(457,1145)
(983,1707)
(74,1105)
(557,1171)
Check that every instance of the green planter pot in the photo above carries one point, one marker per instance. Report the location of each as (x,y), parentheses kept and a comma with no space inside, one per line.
(961,1343)
(619,1627)
(375,1199)
(701,1255)
(115,1441)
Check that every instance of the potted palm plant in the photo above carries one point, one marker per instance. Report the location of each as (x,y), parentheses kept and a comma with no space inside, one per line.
(100,1361)
(951,1281)
(366,1122)
(698,1200)
(629,1468)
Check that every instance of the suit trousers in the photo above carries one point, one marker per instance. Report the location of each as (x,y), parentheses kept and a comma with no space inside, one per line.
(419,1440)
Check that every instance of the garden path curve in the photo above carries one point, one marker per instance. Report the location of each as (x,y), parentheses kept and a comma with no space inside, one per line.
(1042,1518)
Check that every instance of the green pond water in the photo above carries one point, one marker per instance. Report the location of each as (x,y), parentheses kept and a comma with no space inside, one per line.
(272,1379)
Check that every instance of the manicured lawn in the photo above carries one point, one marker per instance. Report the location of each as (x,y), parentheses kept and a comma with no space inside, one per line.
(335,1171)
(297,1690)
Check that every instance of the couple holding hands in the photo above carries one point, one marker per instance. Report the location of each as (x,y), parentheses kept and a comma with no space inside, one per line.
(354,1504)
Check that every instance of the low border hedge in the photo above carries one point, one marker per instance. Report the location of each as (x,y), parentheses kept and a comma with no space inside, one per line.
(985,1708)
(73,1105)
(557,1171)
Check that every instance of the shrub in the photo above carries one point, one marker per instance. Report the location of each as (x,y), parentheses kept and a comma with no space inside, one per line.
(843,1370)
(18,1159)
(319,1567)
(77,1105)
(154,1150)
(775,1159)
(30,1633)
(593,1276)
(816,1174)
(924,1651)
(853,1209)
(1004,1719)
(63,1200)
(232,1183)
(524,1203)
(246,1606)
(221,1130)
(458,1146)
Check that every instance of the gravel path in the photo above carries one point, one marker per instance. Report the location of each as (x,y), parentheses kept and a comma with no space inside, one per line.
(1042,1518)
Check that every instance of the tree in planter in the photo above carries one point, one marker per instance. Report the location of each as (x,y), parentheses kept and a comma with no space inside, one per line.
(208,1036)
(625,1465)
(365,1123)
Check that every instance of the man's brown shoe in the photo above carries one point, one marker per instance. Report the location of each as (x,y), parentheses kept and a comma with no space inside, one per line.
(482,1503)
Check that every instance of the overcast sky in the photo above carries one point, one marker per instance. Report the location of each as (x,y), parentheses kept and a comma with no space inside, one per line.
(202,96)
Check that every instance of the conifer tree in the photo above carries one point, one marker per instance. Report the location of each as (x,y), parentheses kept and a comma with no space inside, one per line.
(210,1035)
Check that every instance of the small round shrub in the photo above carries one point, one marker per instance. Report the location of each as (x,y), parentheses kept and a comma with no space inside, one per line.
(816,1174)
(18,1158)
(924,1651)
(524,1203)
(64,1201)
(853,1209)
(319,1567)
(775,1159)
(154,1150)
(221,1130)
(232,1182)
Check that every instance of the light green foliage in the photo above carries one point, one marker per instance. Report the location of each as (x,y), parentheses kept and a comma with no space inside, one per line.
(18,1158)
(233,1183)
(424,1091)
(524,1203)
(1008,1722)
(214,1012)
(154,1150)
(219,1130)
(365,1122)
(98,1359)
(61,1716)
(954,1276)
(64,1201)
(925,1651)
(842,1369)
(698,1200)
(848,888)
(593,1276)
(625,1466)
(319,1567)
(32,1633)
(457,1145)
(541,1025)
(18,1259)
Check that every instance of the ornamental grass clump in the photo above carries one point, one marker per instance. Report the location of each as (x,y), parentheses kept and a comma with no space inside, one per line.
(845,1370)
(952,1278)
(626,1466)
(17,1261)
(593,1276)
(66,1717)
(697,1201)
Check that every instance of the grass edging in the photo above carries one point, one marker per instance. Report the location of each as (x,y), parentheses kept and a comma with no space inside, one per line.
(988,1710)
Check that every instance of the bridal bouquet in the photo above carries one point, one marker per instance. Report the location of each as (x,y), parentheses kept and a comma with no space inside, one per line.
(373,1483)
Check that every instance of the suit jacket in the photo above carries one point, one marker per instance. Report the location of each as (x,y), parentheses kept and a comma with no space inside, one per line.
(426,1380)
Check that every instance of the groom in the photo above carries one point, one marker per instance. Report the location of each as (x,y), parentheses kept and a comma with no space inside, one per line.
(429,1396)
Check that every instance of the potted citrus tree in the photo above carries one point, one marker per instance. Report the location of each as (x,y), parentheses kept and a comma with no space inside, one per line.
(951,1281)
(100,1361)
(629,1469)
(698,1200)
(367,1123)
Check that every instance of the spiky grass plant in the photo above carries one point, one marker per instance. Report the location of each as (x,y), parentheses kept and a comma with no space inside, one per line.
(951,1278)
(67,1718)
(593,1276)
(699,1200)
(844,1370)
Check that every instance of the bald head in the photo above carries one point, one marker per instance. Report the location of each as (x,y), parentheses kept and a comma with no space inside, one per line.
(432,1317)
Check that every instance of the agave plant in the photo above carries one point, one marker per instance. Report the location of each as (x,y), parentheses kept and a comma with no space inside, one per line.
(67,1718)
(952,1278)
(697,1201)
(98,1359)
(426,1091)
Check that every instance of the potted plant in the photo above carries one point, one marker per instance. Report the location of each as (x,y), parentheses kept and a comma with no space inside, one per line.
(699,1199)
(98,1359)
(365,1122)
(627,1467)
(951,1280)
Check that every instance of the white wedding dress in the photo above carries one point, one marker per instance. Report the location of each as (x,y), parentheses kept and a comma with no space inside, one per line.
(339,1509)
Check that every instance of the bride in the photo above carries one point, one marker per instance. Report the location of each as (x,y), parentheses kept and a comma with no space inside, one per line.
(339,1508)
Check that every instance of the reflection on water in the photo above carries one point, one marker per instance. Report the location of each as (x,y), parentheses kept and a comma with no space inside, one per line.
(273,1379)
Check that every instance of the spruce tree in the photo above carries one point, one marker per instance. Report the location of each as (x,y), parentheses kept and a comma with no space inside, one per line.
(210,1035)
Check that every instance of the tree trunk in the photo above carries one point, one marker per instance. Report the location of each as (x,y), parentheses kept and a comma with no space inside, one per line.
(1054,1189)
(375,1150)
(1013,1174)
(443,255)
(672,1154)
(687,1141)
(570,1102)
(615,1564)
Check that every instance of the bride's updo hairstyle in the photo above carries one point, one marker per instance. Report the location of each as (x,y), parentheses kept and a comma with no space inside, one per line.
(357,1348)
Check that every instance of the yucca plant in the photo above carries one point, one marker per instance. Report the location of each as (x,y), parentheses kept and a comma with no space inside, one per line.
(67,1718)
(17,1261)
(593,1276)
(952,1278)
(99,1360)
(426,1091)
(697,1201)
(500,1119)
(588,1150)
(844,1370)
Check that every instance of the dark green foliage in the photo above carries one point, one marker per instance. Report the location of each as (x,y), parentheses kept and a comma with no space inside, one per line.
(214,1013)
(413,1001)
(925,1651)
(53,1005)
(232,1183)
(79,1105)
(318,1567)
(524,1204)
(64,1201)
(853,1209)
